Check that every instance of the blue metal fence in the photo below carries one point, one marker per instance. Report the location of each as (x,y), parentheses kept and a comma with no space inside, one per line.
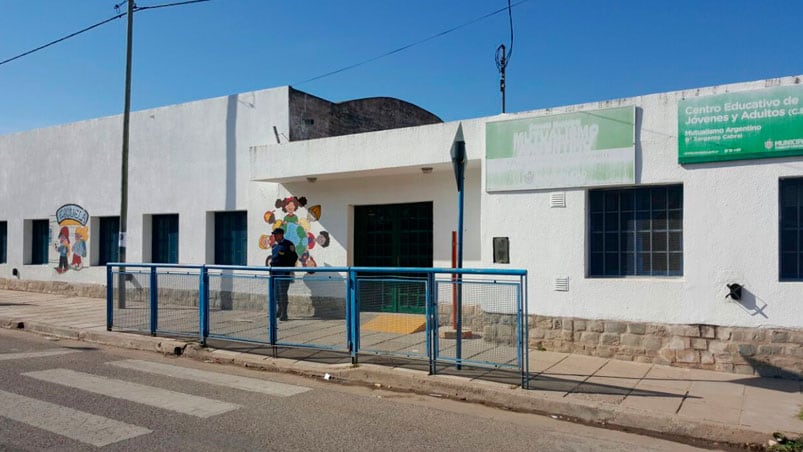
(454,317)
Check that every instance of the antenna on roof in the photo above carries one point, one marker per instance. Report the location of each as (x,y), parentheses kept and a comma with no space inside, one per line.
(503,57)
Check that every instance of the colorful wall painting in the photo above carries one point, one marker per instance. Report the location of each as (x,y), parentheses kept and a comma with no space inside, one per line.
(71,234)
(289,215)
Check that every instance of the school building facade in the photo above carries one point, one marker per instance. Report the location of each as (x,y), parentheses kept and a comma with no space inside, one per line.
(664,228)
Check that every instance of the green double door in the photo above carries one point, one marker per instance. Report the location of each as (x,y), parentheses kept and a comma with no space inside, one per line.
(394,235)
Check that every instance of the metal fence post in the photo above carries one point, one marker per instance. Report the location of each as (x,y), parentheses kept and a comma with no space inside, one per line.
(431,311)
(154,302)
(109,298)
(519,333)
(459,325)
(526,364)
(349,335)
(353,314)
(272,335)
(203,305)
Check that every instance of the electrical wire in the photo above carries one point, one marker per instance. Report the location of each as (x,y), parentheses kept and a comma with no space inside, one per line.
(116,7)
(62,39)
(421,41)
(504,59)
(143,8)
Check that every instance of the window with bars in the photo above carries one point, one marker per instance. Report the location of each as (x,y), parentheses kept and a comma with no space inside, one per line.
(791,229)
(164,239)
(636,231)
(231,229)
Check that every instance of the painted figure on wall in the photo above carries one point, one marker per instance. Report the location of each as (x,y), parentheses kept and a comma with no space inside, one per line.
(71,219)
(79,248)
(297,228)
(63,248)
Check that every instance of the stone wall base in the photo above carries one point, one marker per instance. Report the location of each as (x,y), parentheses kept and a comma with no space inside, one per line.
(55,287)
(300,305)
(774,352)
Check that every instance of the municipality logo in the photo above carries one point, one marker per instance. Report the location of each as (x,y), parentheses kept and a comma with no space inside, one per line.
(769,144)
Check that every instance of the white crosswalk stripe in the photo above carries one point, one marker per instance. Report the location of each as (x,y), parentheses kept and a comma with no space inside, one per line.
(214,378)
(27,355)
(134,392)
(78,425)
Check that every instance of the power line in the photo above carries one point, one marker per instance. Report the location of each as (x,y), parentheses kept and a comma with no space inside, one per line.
(143,8)
(62,39)
(117,7)
(413,44)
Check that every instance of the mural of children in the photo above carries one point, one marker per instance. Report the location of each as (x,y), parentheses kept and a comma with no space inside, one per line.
(79,248)
(63,247)
(298,229)
(295,230)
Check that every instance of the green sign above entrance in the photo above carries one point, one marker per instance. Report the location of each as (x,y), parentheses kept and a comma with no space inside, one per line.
(750,125)
(581,149)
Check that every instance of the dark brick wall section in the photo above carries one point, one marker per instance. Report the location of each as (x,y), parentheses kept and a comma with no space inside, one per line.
(312,117)
(309,116)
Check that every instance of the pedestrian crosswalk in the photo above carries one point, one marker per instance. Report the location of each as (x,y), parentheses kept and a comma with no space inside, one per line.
(98,430)
(213,378)
(135,392)
(74,424)
(28,355)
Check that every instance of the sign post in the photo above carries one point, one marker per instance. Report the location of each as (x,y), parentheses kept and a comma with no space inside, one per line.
(458,153)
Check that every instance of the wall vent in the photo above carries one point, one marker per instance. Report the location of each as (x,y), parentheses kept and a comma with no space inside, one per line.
(561,284)
(557,199)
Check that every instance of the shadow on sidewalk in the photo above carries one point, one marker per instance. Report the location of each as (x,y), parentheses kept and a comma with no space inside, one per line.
(768,371)
(503,376)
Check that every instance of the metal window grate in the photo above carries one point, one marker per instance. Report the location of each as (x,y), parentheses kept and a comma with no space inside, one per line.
(791,229)
(636,231)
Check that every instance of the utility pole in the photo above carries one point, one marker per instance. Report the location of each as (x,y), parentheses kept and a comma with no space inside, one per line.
(122,244)
(124,165)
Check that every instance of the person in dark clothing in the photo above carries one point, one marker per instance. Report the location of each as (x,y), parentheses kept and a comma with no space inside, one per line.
(282,255)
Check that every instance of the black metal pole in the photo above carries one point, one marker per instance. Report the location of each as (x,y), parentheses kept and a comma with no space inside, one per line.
(502,67)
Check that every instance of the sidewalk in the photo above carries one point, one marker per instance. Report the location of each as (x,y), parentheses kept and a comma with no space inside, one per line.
(705,405)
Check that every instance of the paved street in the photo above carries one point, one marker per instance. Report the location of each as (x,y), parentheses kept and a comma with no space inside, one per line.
(68,395)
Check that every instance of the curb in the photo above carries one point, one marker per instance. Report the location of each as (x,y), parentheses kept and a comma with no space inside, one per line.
(408,380)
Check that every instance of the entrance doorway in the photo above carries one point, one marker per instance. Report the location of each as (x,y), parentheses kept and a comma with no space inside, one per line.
(395,235)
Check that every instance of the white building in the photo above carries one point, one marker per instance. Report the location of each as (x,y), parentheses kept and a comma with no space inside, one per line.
(633,216)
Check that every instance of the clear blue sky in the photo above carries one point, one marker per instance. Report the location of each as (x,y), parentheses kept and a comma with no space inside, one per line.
(564,52)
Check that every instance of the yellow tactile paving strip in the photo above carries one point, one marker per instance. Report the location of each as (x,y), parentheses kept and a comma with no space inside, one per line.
(396,323)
